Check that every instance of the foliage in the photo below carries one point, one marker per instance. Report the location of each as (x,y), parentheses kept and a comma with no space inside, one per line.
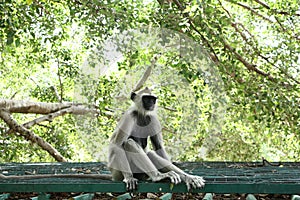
(248,108)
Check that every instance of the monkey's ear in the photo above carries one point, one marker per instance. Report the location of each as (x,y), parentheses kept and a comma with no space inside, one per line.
(133,95)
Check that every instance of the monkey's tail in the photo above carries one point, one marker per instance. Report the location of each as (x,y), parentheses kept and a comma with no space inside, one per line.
(40,176)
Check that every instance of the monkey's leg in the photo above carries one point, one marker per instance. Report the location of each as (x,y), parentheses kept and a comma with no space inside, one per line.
(120,168)
(118,162)
(140,163)
(166,165)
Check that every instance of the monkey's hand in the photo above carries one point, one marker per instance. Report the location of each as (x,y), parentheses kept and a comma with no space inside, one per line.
(193,181)
(131,183)
(173,176)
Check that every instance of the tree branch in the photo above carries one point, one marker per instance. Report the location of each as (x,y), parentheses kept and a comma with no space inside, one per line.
(78,110)
(30,136)
(249,66)
(263,4)
(56,93)
(146,75)
(274,65)
(213,56)
(52,110)
(254,12)
(252,44)
(60,84)
(20,106)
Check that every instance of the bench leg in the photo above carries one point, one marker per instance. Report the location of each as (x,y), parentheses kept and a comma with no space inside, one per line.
(208,196)
(166,196)
(124,196)
(250,197)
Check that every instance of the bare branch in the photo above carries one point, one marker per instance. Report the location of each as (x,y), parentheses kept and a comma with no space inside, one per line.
(213,56)
(254,11)
(30,136)
(265,5)
(52,110)
(144,78)
(56,93)
(248,65)
(252,44)
(287,13)
(60,84)
(77,110)
(282,71)
(262,3)
(169,109)
(19,106)
(13,96)
(146,75)
(280,24)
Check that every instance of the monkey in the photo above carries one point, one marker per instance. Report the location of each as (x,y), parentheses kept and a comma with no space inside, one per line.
(129,158)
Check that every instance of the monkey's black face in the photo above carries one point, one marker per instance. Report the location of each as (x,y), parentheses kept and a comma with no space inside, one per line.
(149,102)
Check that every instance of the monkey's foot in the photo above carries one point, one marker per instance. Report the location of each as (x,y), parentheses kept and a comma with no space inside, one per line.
(193,181)
(173,176)
(131,183)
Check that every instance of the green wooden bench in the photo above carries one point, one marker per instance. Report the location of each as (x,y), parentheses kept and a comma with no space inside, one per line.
(221,177)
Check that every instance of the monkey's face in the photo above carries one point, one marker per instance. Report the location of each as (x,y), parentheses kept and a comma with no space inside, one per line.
(149,102)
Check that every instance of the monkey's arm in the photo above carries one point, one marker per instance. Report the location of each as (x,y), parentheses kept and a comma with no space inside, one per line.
(123,130)
(118,161)
(158,147)
(191,181)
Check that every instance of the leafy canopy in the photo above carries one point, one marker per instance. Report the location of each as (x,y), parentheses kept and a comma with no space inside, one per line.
(47,47)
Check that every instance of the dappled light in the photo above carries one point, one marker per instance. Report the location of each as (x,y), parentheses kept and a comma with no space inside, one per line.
(226,74)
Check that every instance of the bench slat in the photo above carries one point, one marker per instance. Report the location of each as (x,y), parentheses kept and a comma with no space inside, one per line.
(263,188)
(220,178)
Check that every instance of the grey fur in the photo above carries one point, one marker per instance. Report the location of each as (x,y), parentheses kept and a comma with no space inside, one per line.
(129,157)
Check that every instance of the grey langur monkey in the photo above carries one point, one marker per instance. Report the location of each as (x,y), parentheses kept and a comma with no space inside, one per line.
(129,158)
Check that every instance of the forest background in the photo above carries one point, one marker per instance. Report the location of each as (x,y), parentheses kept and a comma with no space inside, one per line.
(227,74)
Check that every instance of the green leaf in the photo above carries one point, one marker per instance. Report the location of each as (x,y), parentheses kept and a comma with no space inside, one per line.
(17,42)
(171,186)
(29,2)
